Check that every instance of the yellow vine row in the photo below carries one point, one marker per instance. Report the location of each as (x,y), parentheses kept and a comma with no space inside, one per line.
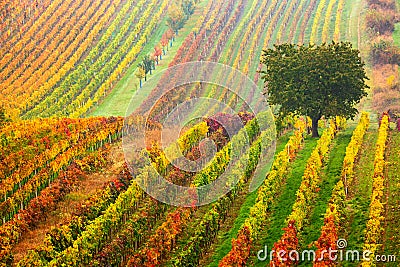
(374,227)
(327,21)
(336,206)
(336,34)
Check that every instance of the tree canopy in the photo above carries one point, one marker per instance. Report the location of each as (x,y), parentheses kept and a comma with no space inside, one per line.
(175,19)
(314,80)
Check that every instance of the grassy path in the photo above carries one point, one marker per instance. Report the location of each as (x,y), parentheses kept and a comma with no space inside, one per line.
(330,176)
(282,207)
(223,244)
(117,101)
(396,34)
(359,194)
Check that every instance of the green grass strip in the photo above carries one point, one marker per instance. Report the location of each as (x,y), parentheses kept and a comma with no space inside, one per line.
(330,176)
(282,207)
(243,214)
(396,34)
(357,210)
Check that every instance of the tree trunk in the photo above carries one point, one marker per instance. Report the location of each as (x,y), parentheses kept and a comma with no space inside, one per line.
(315,126)
(307,127)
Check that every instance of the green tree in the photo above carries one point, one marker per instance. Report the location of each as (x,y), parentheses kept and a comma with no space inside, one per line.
(147,64)
(176,18)
(188,7)
(324,80)
(140,74)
